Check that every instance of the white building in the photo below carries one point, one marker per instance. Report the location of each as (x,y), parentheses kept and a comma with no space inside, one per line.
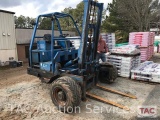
(7,37)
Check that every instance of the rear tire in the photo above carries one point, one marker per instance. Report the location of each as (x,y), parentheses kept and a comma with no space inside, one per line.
(66,94)
(108,74)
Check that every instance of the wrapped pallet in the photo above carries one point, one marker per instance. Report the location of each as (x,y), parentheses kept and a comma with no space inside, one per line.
(125,58)
(145,40)
(147,71)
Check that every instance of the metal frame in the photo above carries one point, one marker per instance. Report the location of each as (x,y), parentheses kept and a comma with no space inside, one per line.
(50,15)
(87,67)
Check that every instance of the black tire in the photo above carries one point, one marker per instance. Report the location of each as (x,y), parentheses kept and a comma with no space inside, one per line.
(66,94)
(108,74)
(115,72)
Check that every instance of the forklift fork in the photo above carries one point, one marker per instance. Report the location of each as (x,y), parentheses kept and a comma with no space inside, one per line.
(108,101)
(115,91)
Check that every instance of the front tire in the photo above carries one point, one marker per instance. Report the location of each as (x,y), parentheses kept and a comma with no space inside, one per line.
(66,94)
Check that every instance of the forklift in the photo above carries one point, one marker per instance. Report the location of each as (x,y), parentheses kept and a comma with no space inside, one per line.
(71,72)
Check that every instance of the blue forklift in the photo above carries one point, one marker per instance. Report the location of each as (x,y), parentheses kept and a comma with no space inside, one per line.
(71,72)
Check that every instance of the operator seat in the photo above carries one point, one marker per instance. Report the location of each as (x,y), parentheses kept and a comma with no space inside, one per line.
(47,38)
(60,44)
(66,43)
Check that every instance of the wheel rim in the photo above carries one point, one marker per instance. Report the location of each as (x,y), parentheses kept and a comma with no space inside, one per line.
(59,96)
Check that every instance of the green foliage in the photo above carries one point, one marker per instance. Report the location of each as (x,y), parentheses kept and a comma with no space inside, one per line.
(66,23)
(45,23)
(129,16)
(23,22)
(29,22)
(116,23)
(20,21)
(76,13)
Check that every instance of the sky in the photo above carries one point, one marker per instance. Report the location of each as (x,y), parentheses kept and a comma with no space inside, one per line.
(33,8)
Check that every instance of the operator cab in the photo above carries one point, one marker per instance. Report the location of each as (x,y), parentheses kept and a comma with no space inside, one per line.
(52,50)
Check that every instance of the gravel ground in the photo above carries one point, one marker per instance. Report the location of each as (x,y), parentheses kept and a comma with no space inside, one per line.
(24,97)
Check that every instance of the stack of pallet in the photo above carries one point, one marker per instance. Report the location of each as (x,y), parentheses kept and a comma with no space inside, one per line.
(145,40)
(147,71)
(110,40)
(124,58)
(124,64)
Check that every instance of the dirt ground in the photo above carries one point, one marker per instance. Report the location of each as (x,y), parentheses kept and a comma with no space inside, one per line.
(24,97)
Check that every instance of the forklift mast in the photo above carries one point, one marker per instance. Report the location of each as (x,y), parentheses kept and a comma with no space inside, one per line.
(90,33)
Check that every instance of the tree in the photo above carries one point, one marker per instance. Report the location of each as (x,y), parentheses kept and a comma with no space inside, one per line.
(116,23)
(23,22)
(66,23)
(77,14)
(20,21)
(46,23)
(139,12)
(130,15)
(29,22)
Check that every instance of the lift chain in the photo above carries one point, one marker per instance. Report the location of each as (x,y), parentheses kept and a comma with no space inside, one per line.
(89,56)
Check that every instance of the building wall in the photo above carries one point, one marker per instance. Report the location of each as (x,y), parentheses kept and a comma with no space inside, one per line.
(21,53)
(23,36)
(7,31)
(7,37)
(6,54)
